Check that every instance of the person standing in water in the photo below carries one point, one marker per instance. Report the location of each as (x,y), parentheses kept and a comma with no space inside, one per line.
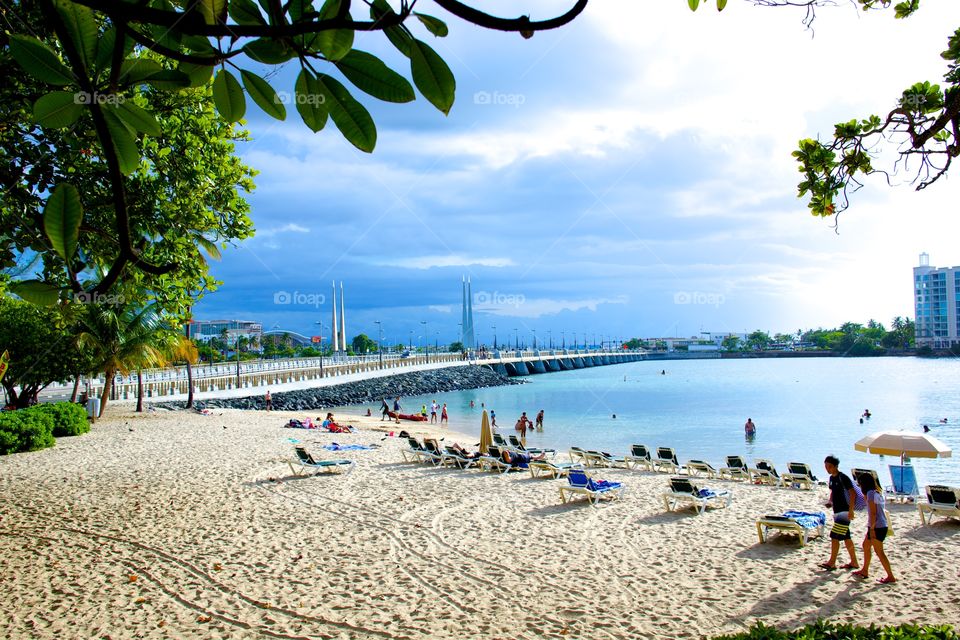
(539,421)
(750,428)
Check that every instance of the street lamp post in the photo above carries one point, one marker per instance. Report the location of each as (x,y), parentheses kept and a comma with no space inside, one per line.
(563,340)
(426,340)
(321,348)
(550,336)
(237,347)
(379,341)
(410,342)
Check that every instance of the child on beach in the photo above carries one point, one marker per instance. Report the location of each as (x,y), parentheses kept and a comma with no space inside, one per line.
(876,530)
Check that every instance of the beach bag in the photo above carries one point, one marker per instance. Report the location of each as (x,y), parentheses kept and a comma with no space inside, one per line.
(860,502)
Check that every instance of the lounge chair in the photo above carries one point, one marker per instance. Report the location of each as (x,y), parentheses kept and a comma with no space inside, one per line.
(493,461)
(639,456)
(684,490)
(579,483)
(942,501)
(499,441)
(765,473)
(305,463)
(805,525)
(549,468)
(518,446)
(432,452)
(578,455)
(736,469)
(799,475)
(699,467)
(856,473)
(452,457)
(666,461)
(904,487)
(415,452)
(611,460)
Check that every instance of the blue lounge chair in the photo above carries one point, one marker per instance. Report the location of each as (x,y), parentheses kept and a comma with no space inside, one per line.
(580,483)
(305,462)
(904,479)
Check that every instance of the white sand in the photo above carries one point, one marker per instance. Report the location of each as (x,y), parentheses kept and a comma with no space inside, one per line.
(183,529)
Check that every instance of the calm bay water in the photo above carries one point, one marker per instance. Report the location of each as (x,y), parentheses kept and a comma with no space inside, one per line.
(804,409)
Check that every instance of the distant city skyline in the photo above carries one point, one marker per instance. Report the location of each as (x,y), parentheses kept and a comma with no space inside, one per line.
(630,174)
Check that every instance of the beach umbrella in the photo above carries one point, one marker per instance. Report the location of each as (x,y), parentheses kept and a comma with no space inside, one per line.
(486,434)
(906,444)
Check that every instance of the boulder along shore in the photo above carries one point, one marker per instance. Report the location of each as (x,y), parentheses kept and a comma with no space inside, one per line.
(363,391)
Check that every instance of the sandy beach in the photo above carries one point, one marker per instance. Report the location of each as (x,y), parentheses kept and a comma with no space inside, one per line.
(179,525)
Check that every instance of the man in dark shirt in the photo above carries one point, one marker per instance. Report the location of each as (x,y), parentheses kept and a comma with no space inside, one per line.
(842,499)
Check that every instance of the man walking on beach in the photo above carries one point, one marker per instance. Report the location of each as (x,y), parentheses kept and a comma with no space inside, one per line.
(384,409)
(397,408)
(268,400)
(842,499)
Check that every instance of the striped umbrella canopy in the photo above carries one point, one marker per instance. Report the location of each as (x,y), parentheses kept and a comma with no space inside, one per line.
(906,444)
(486,433)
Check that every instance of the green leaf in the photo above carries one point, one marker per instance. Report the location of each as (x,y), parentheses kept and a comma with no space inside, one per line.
(82,28)
(268,51)
(311,101)
(434,25)
(169,80)
(371,76)
(104,55)
(138,119)
(137,70)
(398,36)
(332,43)
(432,76)
(246,12)
(228,96)
(350,116)
(264,95)
(57,110)
(211,248)
(61,219)
(124,141)
(198,74)
(39,60)
(721,5)
(693,4)
(213,11)
(36,292)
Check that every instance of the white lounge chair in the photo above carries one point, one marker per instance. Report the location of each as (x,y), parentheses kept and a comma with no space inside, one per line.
(550,469)
(804,525)
(941,501)
(799,475)
(306,463)
(701,468)
(666,461)
(765,473)
(639,456)
(736,469)
(683,490)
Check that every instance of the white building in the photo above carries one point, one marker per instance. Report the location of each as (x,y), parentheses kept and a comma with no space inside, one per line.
(936,298)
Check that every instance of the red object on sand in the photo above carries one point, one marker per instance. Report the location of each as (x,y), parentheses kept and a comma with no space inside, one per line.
(415,417)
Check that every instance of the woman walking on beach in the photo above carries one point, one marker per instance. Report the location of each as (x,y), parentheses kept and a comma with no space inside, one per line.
(876,530)
(443,414)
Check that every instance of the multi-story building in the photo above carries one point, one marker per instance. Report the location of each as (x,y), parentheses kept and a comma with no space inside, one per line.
(936,298)
(204,330)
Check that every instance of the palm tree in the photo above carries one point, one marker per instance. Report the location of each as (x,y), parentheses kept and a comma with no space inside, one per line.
(182,348)
(121,338)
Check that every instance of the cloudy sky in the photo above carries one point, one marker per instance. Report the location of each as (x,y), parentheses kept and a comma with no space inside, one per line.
(628,175)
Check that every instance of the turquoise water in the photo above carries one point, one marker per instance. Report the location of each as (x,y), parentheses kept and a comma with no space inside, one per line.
(804,409)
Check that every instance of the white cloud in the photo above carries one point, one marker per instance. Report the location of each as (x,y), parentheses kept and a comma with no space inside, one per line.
(290,227)
(450,260)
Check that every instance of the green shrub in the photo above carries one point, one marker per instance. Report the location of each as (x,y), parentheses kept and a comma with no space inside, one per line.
(25,430)
(823,630)
(69,419)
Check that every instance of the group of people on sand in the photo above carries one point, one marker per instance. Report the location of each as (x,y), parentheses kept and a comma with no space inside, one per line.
(385,411)
(844,499)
